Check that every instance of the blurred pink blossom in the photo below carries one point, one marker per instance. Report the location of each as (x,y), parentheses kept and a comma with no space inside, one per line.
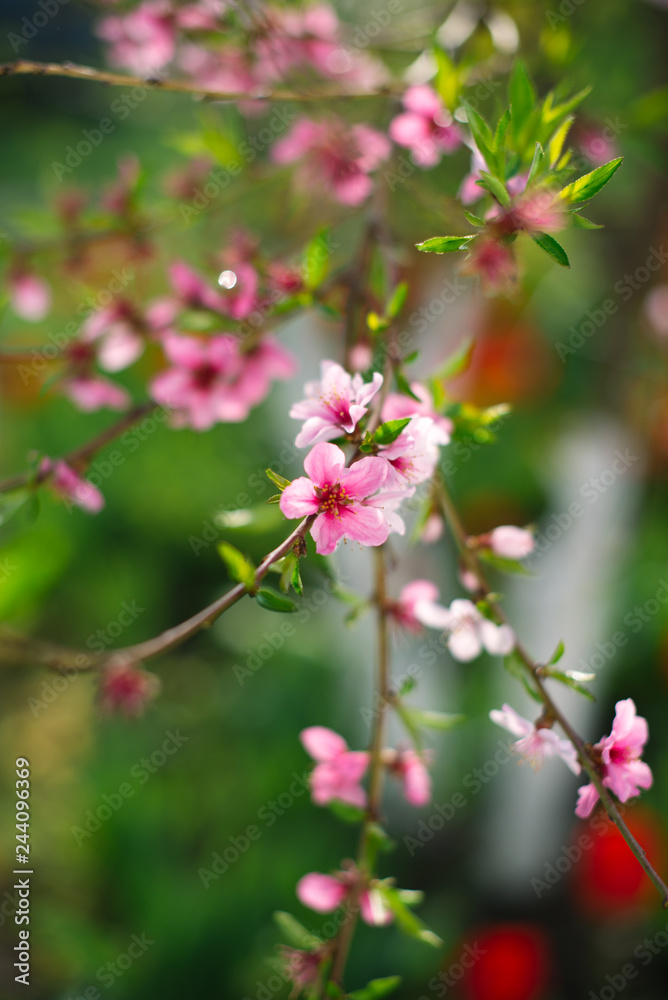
(425,127)
(338,770)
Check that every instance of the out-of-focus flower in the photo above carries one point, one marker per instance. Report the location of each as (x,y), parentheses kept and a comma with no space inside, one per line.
(493,262)
(655,308)
(29,296)
(114,330)
(69,486)
(335,158)
(334,405)
(537,742)
(324,893)
(414,455)
(509,541)
(411,769)
(468,633)
(347,501)
(90,392)
(622,770)
(432,529)
(596,146)
(144,39)
(399,405)
(127,688)
(302,968)
(425,127)
(403,610)
(338,770)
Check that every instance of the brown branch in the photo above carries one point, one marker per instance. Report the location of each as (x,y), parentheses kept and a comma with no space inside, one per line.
(472,562)
(28,67)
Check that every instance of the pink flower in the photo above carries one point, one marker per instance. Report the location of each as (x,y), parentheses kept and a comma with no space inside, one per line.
(411,768)
(511,542)
(334,405)
(338,770)
(493,262)
(324,893)
(622,770)
(537,743)
(115,328)
(29,296)
(70,487)
(192,291)
(343,499)
(211,381)
(432,529)
(656,310)
(425,127)
(414,454)
(127,688)
(404,609)
(336,158)
(91,392)
(540,211)
(143,40)
(399,405)
(302,968)
(468,632)
(597,147)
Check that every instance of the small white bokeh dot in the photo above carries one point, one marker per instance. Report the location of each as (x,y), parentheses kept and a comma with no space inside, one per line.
(227,279)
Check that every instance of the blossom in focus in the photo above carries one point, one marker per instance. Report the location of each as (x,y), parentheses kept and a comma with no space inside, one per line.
(69,486)
(537,742)
(324,893)
(115,331)
(334,405)
(403,610)
(29,296)
(143,40)
(413,455)
(127,688)
(622,770)
(346,501)
(425,126)
(334,157)
(338,770)
(468,632)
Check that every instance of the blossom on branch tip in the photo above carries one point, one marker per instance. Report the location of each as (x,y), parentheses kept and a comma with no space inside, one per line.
(348,502)
(509,542)
(425,126)
(338,770)
(414,454)
(334,158)
(69,486)
(622,770)
(537,742)
(324,893)
(468,632)
(334,405)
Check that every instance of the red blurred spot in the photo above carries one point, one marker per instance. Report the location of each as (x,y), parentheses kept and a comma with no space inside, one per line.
(514,963)
(608,879)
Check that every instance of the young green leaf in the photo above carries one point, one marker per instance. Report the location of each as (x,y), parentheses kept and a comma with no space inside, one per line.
(495,187)
(569,681)
(551,248)
(586,187)
(558,653)
(272,601)
(12,501)
(579,222)
(482,134)
(316,260)
(406,919)
(277,480)
(474,219)
(345,812)
(444,244)
(376,988)
(515,666)
(503,563)
(403,385)
(390,430)
(556,143)
(522,98)
(397,299)
(458,361)
(239,567)
(434,720)
(538,157)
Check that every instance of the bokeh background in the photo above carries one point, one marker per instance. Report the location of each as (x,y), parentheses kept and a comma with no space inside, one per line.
(237,696)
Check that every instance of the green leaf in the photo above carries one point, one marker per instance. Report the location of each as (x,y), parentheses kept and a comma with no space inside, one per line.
(589,185)
(294,932)
(558,653)
(345,812)
(569,681)
(551,248)
(289,564)
(276,498)
(12,501)
(272,601)
(276,479)
(239,567)
(482,134)
(495,187)
(435,720)
(500,141)
(406,919)
(376,988)
(458,361)
(579,222)
(444,244)
(390,430)
(556,143)
(538,157)
(522,98)
(515,666)
(397,300)
(316,260)
(296,579)
(474,219)
(555,114)
(404,387)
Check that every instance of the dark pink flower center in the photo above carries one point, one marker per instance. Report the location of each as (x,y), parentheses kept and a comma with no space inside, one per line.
(205,375)
(621,754)
(332,497)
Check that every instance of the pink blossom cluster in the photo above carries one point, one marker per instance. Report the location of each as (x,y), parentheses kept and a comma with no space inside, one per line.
(425,126)
(199,38)
(618,756)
